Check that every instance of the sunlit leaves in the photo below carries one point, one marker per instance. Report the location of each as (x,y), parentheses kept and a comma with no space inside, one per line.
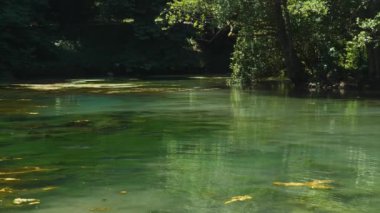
(128,20)
(356,48)
(306,8)
(192,12)
(371,24)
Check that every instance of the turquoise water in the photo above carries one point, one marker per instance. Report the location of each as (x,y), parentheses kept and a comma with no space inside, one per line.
(184,146)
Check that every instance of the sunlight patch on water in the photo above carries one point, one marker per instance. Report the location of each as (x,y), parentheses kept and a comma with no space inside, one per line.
(211,78)
(76,85)
(102,86)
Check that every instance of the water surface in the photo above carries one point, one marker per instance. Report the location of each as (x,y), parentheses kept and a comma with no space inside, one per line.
(184,146)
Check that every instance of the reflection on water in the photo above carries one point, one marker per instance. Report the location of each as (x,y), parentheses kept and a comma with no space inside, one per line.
(365,166)
(185,146)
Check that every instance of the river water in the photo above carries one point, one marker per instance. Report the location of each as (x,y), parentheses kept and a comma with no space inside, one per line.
(185,146)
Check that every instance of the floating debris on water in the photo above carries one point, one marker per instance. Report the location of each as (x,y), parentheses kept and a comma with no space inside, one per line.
(79,123)
(33,113)
(9,179)
(238,198)
(49,188)
(124,192)
(26,201)
(9,159)
(6,190)
(315,184)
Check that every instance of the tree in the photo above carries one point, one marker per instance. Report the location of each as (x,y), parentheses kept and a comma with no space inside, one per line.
(253,20)
(75,38)
(294,68)
(311,40)
(21,35)
(367,40)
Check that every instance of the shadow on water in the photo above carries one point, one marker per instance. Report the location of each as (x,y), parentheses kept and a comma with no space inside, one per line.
(284,88)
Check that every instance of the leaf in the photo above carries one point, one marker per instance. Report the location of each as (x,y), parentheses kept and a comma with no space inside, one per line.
(26,201)
(238,198)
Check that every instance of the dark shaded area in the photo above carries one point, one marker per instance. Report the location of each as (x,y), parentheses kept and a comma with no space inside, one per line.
(88,38)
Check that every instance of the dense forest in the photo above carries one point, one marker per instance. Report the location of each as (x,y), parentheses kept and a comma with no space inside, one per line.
(315,42)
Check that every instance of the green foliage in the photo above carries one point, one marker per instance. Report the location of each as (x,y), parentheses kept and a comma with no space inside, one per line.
(191,12)
(249,60)
(307,9)
(319,38)
(329,37)
(356,48)
(256,58)
(372,25)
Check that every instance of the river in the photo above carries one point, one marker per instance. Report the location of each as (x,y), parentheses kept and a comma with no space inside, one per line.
(189,145)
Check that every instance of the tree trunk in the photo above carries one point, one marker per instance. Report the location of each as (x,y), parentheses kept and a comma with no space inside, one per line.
(371,61)
(294,68)
(373,50)
(374,63)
